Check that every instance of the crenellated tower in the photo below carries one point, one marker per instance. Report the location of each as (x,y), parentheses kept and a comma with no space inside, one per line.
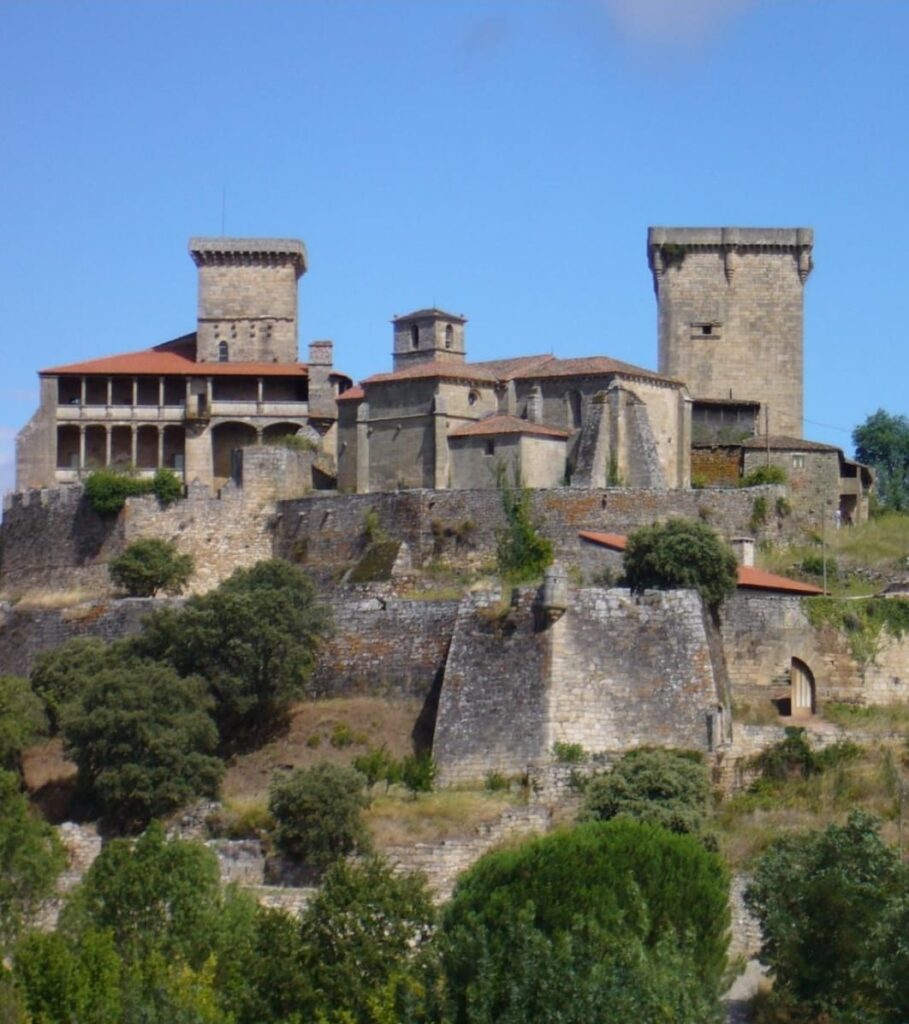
(730,305)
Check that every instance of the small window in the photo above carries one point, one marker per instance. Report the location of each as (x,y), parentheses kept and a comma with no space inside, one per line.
(415,336)
(473,398)
(798,461)
(449,335)
(490,447)
(223,352)
(706,329)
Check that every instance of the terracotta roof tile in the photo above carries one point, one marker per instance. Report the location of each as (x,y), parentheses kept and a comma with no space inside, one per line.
(507,425)
(779,442)
(749,577)
(352,395)
(469,372)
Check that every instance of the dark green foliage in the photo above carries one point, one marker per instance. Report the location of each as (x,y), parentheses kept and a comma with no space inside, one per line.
(522,553)
(673,254)
(760,511)
(166,486)
(519,974)
(377,765)
(632,882)
(22,720)
(318,814)
(865,623)
(149,566)
(108,489)
(764,475)
(253,640)
(681,553)
(568,753)
(791,758)
(31,857)
(143,741)
(833,911)
(361,935)
(882,442)
(63,673)
(418,772)
(663,787)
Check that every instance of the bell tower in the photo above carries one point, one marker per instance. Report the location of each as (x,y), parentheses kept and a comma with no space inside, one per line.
(428,336)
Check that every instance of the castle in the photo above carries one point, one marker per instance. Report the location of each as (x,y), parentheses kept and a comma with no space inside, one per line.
(727,395)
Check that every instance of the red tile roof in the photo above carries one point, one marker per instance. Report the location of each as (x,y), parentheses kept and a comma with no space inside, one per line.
(177,358)
(507,425)
(749,577)
(779,442)
(469,372)
(353,394)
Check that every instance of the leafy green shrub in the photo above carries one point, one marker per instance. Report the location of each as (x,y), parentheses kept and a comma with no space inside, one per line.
(813,564)
(372,528)
(150,565)
(791,758)
(142,740)
(418,772)
(31,857)
(295,442)
(670,788)
(167,486)
(253,639)
(108,489)
(22,720)
(833,911)
(759,514)
(522,553)
(61,674)
(681,553)
(377,765)
(762,475)
(318,814)
(636,884)
(496,782)
(568,753)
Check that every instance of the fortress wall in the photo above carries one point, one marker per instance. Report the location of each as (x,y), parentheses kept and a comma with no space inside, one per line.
(325,531)
(763,632)
(611,674)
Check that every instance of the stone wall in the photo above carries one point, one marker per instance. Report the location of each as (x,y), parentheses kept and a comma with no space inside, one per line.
(611,673)
(327,531)
(762,633)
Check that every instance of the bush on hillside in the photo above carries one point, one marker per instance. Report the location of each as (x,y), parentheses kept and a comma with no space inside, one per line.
(151,565)
(253,639)
(670,788)
(318,814)
(681,553)
(22,720)
(142,740)
(582,895)
(61,674)
(107,489)
(764,475)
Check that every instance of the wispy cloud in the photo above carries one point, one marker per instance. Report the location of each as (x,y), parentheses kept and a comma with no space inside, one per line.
(7,458)
(661,22)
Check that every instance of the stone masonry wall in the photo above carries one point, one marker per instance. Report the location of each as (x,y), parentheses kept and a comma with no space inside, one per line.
(326,531)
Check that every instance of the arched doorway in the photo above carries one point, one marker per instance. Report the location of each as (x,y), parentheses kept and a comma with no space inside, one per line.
(801,689)
(225,438)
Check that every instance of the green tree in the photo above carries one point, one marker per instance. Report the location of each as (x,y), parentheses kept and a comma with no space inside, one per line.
(663,787)
(22,720)
(522,553)
(829,902)
(63,673)
(626,881)
(149,566)
(362,935)
(882,442)
(253,639)
(318,813)
(31,857)
(143,741)
(681,553)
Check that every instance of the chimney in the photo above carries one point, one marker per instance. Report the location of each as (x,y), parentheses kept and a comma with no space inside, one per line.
(744,550)
(322,404)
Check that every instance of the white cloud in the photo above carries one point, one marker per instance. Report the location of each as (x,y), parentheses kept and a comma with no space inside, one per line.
(7,458)
(673,21)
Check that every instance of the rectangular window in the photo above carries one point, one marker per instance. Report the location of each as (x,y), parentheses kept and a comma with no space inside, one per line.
(707,329)
(490,447)
(798,461)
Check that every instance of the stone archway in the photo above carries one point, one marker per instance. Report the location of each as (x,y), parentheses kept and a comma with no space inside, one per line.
(801,689)
(225,437)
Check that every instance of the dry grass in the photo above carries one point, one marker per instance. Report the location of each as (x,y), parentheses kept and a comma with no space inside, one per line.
(749,822)
(397,818)
(40,600)
(876,719)
(354,724)
(756,713)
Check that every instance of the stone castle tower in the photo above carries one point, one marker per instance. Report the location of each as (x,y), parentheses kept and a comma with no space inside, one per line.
(730,304)
(428,336)
(247,299)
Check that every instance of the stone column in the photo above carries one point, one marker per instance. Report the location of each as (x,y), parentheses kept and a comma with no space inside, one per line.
(107,433)
(188,401)
(82,438)
(110,391)
(135,391)
(160,447)
(440,446)
(363,448)
(258,435)
(208,395)
(260,391)
(160,392)
(134,443)
(82,391)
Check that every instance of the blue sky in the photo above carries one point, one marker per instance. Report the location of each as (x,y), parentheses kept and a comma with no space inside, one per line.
(499,159)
